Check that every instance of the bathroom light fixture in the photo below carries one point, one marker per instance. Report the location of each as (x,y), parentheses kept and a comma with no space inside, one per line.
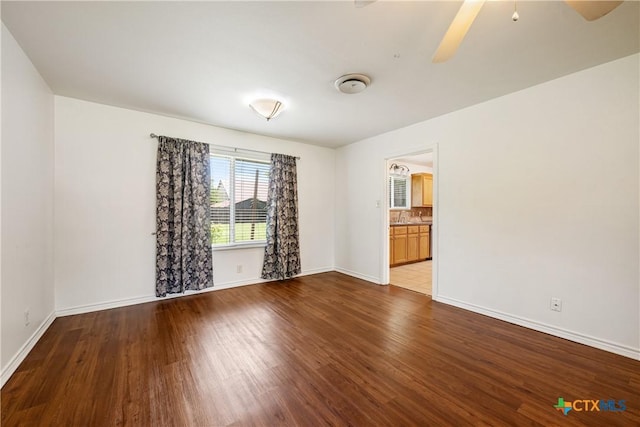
(399,170)
(267,108)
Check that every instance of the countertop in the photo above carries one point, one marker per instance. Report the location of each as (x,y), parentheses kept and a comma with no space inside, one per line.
(424,222)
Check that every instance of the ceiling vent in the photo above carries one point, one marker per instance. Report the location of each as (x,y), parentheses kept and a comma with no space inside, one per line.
(352,83)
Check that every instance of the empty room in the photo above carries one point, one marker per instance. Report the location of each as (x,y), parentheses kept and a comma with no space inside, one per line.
(301,213)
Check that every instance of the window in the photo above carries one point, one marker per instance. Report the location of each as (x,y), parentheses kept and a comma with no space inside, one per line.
(398,192)
(238,199)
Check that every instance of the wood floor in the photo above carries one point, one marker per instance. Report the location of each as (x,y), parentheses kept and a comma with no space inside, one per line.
(416,277)
(319,350)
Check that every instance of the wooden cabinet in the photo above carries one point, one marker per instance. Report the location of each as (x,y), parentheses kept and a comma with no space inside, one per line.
(413,243)
(408,243)
(424,242)
(421,190)
(399,245)
(391,251)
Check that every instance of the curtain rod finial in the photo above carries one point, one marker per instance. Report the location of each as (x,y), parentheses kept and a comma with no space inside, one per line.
(153,135)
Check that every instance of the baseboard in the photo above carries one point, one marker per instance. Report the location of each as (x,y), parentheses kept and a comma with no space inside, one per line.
(17,359)
(89,308)
(609,346)
(317,271)
(150,298)
(371,279)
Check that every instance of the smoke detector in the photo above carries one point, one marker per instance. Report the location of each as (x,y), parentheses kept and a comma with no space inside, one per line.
(352,83)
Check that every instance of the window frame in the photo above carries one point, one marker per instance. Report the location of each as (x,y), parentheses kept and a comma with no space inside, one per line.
(392,181)
(233,156)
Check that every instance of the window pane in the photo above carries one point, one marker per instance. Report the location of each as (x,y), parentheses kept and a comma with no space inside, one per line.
(238,199)
(251,186)
(400,193)
(220,199)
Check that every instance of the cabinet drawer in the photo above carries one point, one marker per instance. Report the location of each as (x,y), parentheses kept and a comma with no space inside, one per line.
(399,230)
(412,229)
(424,228)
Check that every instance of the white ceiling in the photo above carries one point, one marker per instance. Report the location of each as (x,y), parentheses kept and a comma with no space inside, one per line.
(423,159)
(202,60)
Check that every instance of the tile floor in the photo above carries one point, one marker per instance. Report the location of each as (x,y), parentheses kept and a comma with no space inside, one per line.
(416,277)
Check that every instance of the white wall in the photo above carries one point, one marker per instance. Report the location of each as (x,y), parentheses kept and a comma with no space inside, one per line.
(27,203)
(537,198)
(105,203)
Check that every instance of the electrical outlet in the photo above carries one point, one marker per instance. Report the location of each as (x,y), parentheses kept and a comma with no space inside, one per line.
(239,268)
(26,317)
(556,304)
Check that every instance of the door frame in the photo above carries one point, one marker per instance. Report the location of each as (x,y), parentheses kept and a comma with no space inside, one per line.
(384,236)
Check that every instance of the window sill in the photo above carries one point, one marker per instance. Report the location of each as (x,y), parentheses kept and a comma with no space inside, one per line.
(235,246)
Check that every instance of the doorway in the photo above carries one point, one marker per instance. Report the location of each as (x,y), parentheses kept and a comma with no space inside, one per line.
(410,228)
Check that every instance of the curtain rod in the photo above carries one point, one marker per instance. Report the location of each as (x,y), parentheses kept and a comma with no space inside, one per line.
(235,149)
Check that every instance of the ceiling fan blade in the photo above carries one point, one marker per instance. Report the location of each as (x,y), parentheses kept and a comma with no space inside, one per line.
(457,30)
(592,10)
(362,3)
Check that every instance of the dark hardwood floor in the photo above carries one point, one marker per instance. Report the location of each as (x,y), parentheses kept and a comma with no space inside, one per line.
(319,350)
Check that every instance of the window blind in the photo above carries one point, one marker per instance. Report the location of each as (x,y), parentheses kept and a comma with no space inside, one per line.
(398,192)
(239,189)
(251,186)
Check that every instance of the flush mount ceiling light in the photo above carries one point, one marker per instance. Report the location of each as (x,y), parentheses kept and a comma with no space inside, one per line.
(352,83)
(267,108)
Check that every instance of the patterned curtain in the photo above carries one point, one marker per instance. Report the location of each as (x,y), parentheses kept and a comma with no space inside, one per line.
(183,225)
(282,253)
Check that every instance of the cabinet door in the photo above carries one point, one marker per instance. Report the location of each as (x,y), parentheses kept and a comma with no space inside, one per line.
(416,190)
(422,190)
(413,247)
(427,190)
(425,249)
(390,247)
(400,249)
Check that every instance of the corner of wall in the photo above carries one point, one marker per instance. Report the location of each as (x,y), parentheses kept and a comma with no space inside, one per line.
(21,354)
(26,228)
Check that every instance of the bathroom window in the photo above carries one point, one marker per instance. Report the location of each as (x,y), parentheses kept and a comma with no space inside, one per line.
(398,192)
